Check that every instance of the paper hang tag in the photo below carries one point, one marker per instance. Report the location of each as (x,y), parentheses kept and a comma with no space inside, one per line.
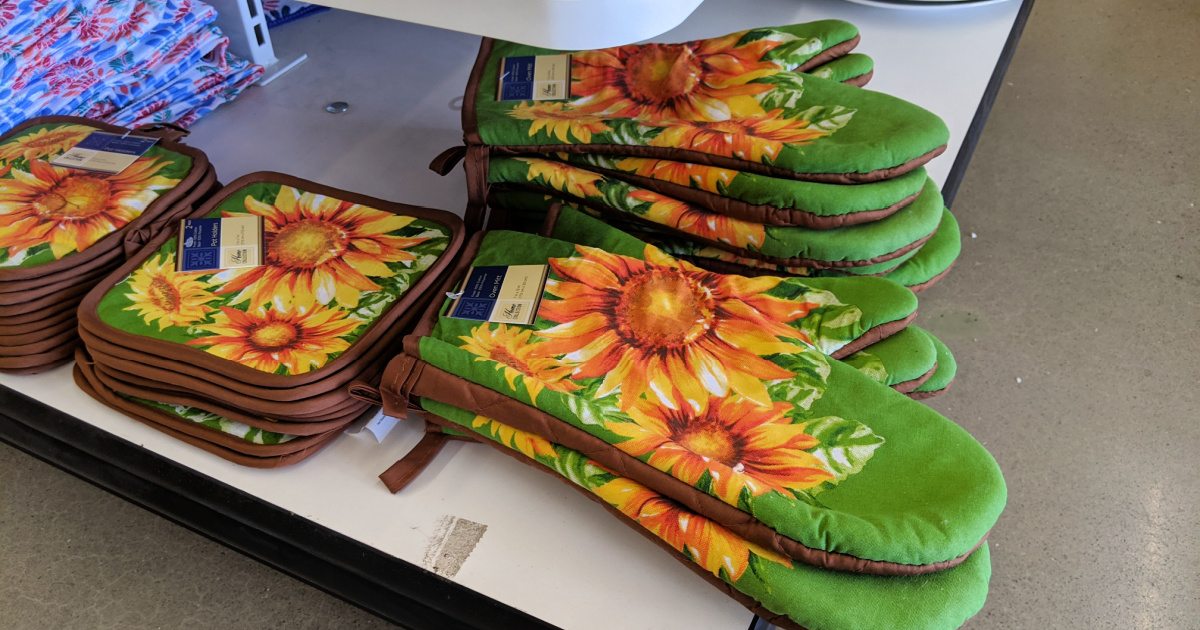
(508,295)
(535,78)
(216,244)
(107,153)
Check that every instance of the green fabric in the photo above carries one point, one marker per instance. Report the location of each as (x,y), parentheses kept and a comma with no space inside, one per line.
(825,200)
(722,96)
(844,68)
(840,463)
(862,242)
(902,357)
(50,212)
(947,366)
(934,257)
(331,269)
(211,420)
(814,598)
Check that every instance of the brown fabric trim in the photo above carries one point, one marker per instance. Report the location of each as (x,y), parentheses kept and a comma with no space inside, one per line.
(875,334)
(470,121)
(61,279)
(30,363)
(46,320)
(930,394)
(696,157)
(86,277)
(33,306)
(64,324)
(917,288)
(447,160)
(861,80)
(756,213)
(745,253)
(551,220)
(164,131)
(200,166)
(134,240)
(38,369)
(427,381)
(381,331)
(476,168)
(740,597)
(907,386)
(406,469)
(120,382)
(40,346)
(159,421)
(829,54)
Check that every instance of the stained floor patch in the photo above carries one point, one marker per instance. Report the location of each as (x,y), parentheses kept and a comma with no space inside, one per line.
(451,544)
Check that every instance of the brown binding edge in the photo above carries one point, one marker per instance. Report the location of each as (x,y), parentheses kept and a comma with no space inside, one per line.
(905,387)
(745,253)
(90,319)
(931,393)
(200,166)
(40,362)
(407,468)
(917,288)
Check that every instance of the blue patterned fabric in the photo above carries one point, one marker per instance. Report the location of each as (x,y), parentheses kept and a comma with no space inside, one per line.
(121,61)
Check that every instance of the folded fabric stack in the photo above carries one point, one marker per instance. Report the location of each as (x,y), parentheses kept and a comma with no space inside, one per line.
(252,363)
(126,63)
(749,149)
(703,409)
(63,229)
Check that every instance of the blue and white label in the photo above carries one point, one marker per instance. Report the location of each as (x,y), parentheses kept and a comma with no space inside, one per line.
(534,78)
(105,152)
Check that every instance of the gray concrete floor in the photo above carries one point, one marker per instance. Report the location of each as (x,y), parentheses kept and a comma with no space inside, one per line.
(1083,282)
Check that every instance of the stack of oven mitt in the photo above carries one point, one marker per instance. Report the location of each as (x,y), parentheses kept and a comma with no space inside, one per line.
(702,409)
(252,364)
(63,229)
(747,153)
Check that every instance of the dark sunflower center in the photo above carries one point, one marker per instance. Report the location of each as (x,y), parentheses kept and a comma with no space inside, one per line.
(710,441)
(75,198)
(163,294)
(307,244)
(274,335)
(657,74)
(663,310)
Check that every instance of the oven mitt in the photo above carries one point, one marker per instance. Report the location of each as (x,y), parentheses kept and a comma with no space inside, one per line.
(903,361)
(850,246)
(934,259)
(758,198)
(947,369)
(700,386)
(722,101)
(852,69)
(789,594)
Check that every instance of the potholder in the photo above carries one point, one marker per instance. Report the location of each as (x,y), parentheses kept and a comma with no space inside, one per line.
(56,220)
(788,594)
(851,246)
(699,386)
(343,274)
(947,369)
(934,259)
(758,198)
(725,102)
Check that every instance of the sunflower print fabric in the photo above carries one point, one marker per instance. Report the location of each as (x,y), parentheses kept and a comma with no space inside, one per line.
(331,269)
(48,212)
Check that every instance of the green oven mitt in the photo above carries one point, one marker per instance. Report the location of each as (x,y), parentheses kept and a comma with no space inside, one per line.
(947,369)
(789,594)
(703,387)
(903,361)
(852,246)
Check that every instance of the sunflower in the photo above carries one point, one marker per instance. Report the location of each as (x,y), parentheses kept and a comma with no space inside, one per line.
(701,80)
(557,120)
(738,442)
(172,299)
(564,177)
(527,443)
(699,222)
(299,340)
(750,139)
(708,544)
(319,249)
(709,178)
(648,326)
(511,350)
(72,209)
(43,142)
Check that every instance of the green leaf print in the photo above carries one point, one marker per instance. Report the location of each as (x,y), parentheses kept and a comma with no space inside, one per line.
(868,364)
(845,447)
(811,369)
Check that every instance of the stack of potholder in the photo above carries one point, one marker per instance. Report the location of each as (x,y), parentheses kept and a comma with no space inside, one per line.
(126,63)
(700,408)
(748,149)
(63,229)
(252,364)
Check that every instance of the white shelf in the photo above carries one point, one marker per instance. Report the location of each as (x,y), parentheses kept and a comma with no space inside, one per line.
(547,550)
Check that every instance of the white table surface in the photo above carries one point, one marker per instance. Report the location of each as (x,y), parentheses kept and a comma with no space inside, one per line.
(547,550)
